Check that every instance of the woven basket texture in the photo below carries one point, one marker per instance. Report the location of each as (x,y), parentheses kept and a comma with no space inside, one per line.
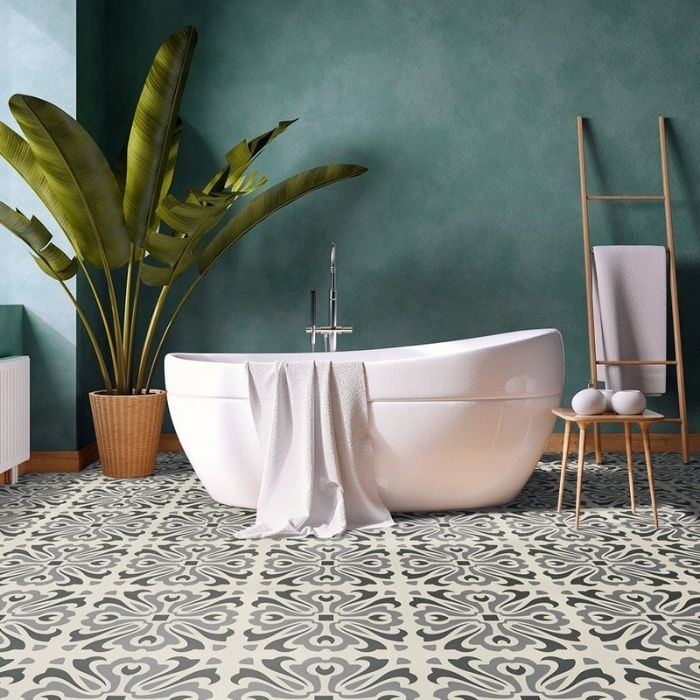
(128,430)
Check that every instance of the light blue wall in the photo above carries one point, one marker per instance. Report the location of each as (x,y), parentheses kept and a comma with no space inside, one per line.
(37,57)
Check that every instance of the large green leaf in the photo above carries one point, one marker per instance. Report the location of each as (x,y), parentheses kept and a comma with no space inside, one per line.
(188,217)
(159,276)
(243,154)
(245,184)
(173,151)
(218,180)
(80,178)
(259,142)
(167,249)
(17,152)
(151,138)
(119,166)
(269,201)
(191,220)
(240,157)
(51,259)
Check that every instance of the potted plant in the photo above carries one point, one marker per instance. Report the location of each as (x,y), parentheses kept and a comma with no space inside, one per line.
(128,231)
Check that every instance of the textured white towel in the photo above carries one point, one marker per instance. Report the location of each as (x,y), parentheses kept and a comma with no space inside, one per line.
(312,424)
(629,303)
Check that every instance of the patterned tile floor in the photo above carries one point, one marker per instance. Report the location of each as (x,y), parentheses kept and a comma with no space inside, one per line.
(137,589)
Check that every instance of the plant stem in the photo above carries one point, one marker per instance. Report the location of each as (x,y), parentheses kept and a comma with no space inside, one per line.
(169,325)
(150,334)
(118,355)
(127,312)
(93,340)
(134,317)
(121,377)
(102,313)
(158,310)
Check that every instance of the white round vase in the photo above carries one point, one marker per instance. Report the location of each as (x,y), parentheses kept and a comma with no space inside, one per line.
(588,402)
(630,402)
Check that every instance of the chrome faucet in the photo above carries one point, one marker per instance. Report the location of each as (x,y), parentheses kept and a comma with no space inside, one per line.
(330,332)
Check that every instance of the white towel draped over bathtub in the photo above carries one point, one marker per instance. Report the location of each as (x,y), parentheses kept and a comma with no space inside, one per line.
(629,303)
(312,425)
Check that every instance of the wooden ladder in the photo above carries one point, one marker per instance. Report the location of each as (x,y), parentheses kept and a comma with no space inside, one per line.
(673,283)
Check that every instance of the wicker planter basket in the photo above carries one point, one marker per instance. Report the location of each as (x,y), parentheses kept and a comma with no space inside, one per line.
(127,430)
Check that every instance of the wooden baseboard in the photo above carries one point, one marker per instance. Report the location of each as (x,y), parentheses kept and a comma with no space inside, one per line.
(65,461)
(74,461)
(169,442)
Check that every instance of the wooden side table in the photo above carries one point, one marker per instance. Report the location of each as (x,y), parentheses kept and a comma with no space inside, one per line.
(643,420)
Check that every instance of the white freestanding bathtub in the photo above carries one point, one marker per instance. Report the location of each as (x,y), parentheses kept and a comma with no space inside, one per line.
(460,424)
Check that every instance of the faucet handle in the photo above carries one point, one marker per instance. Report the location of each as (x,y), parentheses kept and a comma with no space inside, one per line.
(313,307)
(313,320)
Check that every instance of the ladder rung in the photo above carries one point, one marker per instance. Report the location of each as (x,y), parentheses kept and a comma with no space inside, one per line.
(672,420)
(636,362)
(636,197)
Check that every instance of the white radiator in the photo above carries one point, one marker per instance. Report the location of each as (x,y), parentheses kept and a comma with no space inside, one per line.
(14,414)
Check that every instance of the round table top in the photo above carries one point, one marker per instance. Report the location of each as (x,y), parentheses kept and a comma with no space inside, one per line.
(647,416)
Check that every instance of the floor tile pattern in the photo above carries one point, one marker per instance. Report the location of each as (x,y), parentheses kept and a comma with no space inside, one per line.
(120,589)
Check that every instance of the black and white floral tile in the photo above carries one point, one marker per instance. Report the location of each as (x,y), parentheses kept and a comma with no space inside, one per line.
(114,590)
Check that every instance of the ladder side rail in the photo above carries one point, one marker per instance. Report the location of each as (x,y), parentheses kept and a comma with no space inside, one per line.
(587,254)
(673,280)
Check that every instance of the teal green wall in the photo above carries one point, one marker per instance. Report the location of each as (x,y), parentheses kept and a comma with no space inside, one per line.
(11,324)
(92,60)
(37,56)
(468,221)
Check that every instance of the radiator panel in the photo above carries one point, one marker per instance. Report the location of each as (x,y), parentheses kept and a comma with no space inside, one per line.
(14,411)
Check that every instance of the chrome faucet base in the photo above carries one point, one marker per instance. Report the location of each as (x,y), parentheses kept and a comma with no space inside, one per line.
(330,335)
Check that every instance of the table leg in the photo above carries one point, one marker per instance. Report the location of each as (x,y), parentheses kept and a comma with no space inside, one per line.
(582,427)
(630,463)
(564,460)
(596,444)
(644,427)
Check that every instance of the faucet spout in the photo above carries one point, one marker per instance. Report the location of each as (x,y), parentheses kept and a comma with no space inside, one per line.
(332,330)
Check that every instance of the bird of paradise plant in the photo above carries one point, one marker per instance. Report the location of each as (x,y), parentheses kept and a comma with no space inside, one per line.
(125,218)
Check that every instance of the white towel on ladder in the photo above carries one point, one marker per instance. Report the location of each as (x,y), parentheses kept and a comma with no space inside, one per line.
(318,474)
(629,304)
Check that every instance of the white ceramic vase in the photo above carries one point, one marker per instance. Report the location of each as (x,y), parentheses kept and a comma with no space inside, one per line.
(630,402)
(588,402)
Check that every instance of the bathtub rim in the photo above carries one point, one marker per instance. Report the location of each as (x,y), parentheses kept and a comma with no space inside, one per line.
(465,369)
(458,346)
